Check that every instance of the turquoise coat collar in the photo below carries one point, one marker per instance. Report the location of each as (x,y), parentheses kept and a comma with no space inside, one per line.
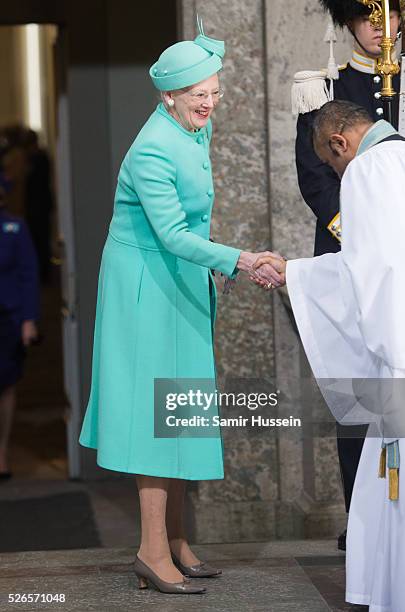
(380,130)
(163,111)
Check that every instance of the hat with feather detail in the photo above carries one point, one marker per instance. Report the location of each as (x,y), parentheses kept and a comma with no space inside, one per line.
(188,62)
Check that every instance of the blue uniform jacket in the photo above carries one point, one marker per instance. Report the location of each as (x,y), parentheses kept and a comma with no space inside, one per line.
(19,290)
(319,185)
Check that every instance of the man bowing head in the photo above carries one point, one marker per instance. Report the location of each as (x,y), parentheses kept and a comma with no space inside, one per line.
(338,132)
(349,308)
(341,131)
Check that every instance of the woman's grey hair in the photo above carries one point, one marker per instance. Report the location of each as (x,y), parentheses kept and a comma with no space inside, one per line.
(337,116)
(162,99)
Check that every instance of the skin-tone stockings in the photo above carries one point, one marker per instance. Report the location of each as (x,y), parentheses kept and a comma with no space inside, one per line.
(162,505)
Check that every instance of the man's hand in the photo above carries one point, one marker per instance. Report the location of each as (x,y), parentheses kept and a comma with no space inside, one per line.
(29,332)
(247,263)
(265,269)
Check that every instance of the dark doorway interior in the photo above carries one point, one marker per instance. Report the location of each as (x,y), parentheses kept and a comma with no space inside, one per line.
(37,447)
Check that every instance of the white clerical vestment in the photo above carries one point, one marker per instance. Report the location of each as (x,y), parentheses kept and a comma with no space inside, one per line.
(350,312)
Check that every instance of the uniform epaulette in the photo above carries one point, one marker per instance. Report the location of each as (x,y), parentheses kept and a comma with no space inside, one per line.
(309,91)
(340,67)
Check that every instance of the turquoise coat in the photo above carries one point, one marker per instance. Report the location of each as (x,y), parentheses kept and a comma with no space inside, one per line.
(156,302)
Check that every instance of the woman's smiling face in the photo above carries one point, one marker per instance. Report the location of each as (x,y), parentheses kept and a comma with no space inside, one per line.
(193,106)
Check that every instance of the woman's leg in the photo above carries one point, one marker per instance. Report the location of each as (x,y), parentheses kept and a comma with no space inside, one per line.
(175,523)
(7,405)
(154,550)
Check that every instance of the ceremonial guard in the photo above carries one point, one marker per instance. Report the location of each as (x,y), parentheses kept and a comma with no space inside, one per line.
(357,81)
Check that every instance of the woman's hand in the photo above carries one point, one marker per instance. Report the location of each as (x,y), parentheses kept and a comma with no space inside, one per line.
(247,263)
(229,285)
(264,269)
(29,332)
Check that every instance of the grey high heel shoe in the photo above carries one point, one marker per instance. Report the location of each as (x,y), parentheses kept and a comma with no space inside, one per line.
(200,570)
(146,575)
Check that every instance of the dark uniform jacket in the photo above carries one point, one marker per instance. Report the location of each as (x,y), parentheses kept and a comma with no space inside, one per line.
(319,185)
(19,298)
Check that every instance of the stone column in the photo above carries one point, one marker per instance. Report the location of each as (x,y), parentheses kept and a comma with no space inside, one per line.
(275,485)
(308,467)
(241,506)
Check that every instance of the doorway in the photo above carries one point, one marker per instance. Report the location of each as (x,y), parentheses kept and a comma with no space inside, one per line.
(35,161)
(102,97)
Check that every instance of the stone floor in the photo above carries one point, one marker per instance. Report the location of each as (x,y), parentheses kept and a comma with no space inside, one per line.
(114,504)
(305,576)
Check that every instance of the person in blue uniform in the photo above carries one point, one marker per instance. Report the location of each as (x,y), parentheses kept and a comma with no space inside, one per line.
(358,82)
(39,201)
(19,312)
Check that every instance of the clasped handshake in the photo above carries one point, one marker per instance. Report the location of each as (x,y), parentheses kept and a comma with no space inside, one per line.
(267,270)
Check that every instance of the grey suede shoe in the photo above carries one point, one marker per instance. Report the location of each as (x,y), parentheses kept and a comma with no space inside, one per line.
(146,575)
(200,570)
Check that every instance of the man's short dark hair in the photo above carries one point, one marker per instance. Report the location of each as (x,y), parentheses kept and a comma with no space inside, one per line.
(336,116)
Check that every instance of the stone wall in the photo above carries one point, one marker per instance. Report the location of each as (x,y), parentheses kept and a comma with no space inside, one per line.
(308,466)
(275,485)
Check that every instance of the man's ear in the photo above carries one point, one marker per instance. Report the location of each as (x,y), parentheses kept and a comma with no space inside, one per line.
(338,144)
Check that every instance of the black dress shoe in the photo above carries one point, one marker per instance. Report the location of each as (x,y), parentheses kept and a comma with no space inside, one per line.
(342,540)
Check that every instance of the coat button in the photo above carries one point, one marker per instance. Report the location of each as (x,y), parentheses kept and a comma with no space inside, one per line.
(210,192)
(206,165)
(200,139)
(379,111)
(377,95)
(377,79)
(204,218)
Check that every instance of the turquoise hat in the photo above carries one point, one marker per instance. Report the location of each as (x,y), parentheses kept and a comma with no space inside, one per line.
(188,62)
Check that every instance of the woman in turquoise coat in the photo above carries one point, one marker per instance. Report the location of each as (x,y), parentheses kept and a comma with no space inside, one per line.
(156,307)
